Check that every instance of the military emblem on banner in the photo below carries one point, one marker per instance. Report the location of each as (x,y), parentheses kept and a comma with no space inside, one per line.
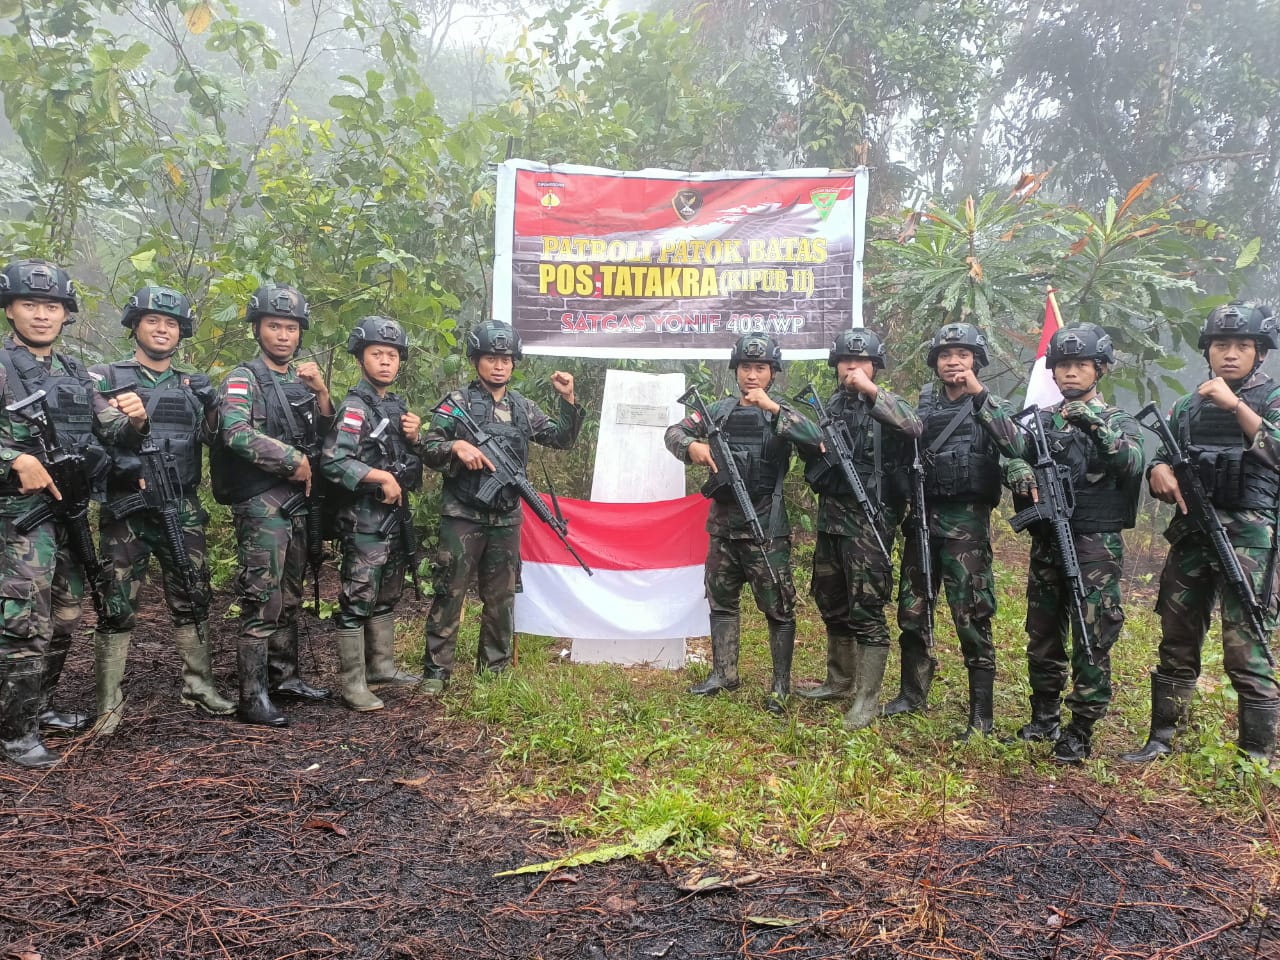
(550,191)
(824,201)
(687,203)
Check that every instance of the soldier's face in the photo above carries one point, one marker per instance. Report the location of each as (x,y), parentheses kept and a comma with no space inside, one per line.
(753,375)
(954,361)
(157,334)
(845,365)
(36,321)
(381,364)
(494,368)
(1075,376)
(1232,358)
(279,337)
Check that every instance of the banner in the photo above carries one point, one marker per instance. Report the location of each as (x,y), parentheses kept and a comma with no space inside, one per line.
(660,264)
(647,560)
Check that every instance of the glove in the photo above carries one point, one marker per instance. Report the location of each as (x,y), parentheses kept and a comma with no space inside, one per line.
(1080,414)
(203,390)
(1020,477)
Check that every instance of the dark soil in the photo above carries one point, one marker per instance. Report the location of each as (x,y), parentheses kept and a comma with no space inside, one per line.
(376,836)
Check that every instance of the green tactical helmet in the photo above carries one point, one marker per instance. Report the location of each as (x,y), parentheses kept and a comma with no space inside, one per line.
(278,300)
(39,279)
(380,330)
(493,337)
(162,300)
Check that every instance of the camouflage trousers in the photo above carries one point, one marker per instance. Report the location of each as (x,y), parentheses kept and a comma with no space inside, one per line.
(492,554)
(127,547)
(964,569)
(731,563)
(41,586)
(1101,558)
(852,582)
(1189,589)
(272,550)
(373,569)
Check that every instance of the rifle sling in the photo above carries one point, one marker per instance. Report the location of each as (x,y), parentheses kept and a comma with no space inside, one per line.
(949,429)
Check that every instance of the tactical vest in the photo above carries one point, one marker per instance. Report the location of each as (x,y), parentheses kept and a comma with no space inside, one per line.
(877,456)
(1214,442)
(175,415)
(235,479)
(762,457)
(514,436)
(398,450)
(69,397)
(1103,505)
(961,463)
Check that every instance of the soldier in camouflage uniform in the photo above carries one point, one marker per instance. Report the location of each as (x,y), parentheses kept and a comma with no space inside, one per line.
(1102,450)
(379,472)
(270,408)
(184,412)
(961,448)
(760,431)
(41,582)
(852,579)
(478,536)
(1230,428)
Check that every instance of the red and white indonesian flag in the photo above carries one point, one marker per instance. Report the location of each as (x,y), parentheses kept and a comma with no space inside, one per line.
(648,561)
(1041,390)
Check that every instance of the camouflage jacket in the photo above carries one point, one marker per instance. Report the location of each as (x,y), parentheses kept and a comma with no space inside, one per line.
(244,422)
(725,519)
(437,445)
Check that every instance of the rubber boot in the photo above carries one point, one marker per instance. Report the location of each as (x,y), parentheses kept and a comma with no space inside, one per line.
(282,670)
(1073,746)
(1258,729)
(725,631)
(110,654)
(1046,718)
(917,677)
(355,692)
(434,680)
(982,684)
(255,706)
(192,641)
(869,663)
(51,719)
(380,653)
(1170,701)
(20,742)
(839,680)
(782,645)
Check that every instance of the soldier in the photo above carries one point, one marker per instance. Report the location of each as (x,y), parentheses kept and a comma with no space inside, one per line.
(476,535)
(379,471)
(270,407)
(961,448)
(41,582)
(760,431)
(852,578)
(1100,447)
(1230,428)
(184,412)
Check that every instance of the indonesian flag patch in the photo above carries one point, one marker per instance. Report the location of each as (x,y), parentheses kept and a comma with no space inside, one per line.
(237,391)
(352,420)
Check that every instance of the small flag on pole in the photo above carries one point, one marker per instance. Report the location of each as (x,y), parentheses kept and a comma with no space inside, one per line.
(1041,390)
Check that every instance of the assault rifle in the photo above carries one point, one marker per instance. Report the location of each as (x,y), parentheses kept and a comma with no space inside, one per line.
(1200,509)
(727,467)
(924,550)
(509,472)
(836,440)
(1057,501)
(68,470)
(310,444)
(399,521)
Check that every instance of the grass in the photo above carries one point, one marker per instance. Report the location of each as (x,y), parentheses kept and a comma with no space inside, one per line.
(614,751)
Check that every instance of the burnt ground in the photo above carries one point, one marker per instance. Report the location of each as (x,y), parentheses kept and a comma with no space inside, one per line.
(378,837)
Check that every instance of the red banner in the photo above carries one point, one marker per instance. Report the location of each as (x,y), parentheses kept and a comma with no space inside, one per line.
(601,263)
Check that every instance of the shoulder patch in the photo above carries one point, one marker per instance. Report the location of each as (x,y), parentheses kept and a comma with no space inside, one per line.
(237,390)
(352,420)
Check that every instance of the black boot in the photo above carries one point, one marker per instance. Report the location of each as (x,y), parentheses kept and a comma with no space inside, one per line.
(1046,716)
(286,680)
(839,682)
(255,706)
(1170,700)
(917,677)
(20,741)
(982,683)
(1073,746)
(51,719)
(724,657)
(782,645)
(1258,729)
